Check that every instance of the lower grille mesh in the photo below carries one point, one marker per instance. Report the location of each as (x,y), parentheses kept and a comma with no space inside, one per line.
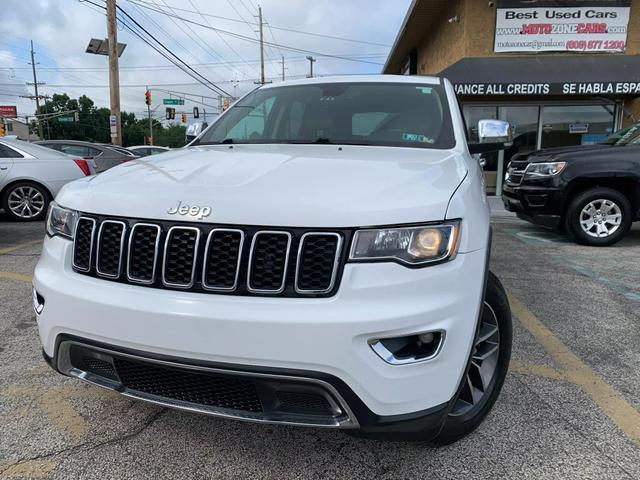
(193,387)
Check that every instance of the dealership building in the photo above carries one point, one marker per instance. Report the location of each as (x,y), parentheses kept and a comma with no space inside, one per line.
(560,72)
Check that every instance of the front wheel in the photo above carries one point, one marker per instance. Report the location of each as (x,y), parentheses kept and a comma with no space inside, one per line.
(487,367)
(25,201)
(599,217)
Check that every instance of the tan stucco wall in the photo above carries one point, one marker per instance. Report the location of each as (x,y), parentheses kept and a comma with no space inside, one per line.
(445,44)
(473,36)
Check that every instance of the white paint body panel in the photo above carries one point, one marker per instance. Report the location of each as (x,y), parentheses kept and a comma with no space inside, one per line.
(327,335)
(310,186)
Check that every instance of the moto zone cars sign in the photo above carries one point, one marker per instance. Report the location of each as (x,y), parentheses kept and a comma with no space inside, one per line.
(561,26)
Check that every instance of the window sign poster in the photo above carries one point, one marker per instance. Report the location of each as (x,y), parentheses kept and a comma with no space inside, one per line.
(561,25)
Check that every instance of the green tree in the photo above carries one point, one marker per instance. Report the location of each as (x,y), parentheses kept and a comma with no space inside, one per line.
(93,124)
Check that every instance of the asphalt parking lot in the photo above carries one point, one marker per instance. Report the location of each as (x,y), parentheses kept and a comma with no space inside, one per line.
(570,407)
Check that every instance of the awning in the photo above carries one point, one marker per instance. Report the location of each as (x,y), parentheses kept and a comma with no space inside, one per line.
(593,75)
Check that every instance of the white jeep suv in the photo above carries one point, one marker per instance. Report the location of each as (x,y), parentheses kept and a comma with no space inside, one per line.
(318,256)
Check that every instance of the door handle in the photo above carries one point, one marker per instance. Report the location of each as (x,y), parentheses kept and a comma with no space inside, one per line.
(4,168)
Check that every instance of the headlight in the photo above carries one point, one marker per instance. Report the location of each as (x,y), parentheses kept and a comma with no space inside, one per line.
(61,221)
(410,245)
(544,169)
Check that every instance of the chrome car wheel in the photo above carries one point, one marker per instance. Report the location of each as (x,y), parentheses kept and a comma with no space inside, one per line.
(26,202)
(484,362)
(600,218)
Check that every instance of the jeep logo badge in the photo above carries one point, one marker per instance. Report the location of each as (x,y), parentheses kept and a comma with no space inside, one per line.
(194,211)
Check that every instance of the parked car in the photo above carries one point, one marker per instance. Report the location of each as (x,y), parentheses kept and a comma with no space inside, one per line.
(591,192)
(31,175)
(145,150)
(103,156)
(320,262)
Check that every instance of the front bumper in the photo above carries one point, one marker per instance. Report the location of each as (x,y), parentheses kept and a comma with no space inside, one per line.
(327,336)
(539,205)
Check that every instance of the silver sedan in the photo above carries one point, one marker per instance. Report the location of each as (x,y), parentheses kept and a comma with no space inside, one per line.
(31,176)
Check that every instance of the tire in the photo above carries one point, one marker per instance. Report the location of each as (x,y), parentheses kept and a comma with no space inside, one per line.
(599,217)
(37,200)
(463,417)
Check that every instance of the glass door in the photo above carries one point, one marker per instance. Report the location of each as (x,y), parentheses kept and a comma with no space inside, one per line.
(568,125)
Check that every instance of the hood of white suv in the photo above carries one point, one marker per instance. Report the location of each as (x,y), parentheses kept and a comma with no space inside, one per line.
(277,185)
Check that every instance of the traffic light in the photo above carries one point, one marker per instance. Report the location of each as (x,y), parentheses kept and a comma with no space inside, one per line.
(184,117)
(147,97)
(196,112)
(2,129)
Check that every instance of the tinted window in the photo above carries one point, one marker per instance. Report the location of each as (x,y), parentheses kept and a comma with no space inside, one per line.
(402,114)
(93,152)
(7,152)
(123,151)
(626,136)
(75,150)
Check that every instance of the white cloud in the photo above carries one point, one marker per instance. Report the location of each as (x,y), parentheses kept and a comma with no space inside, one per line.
(61,30)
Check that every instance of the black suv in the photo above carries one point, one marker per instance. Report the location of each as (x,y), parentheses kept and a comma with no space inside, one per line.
(592,192)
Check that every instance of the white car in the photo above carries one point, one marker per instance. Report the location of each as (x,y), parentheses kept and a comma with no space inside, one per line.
(318,256)
(31,175)
(146,150)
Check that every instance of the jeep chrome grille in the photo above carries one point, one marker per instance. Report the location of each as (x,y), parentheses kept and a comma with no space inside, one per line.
(207,258)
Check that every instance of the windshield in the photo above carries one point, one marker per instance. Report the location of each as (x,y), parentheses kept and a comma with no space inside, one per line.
(389,114)
(626,136)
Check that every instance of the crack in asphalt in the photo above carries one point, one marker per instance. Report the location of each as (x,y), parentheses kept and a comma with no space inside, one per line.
(87,446)
(573,427)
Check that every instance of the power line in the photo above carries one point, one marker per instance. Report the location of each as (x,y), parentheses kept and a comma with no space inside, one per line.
(142,85)
(252,40)
(344,39)
(211,85)
(290,59)
(191,72)
(223,39)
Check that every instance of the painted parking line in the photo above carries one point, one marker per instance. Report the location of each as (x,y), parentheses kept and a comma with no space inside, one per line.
(13,248)
(536,370)
(19,277)
(623,415)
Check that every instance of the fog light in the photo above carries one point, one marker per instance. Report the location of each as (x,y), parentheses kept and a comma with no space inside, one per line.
(409,349)
(38,301)
(426,337)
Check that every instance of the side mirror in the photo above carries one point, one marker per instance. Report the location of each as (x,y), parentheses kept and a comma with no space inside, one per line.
(492,135)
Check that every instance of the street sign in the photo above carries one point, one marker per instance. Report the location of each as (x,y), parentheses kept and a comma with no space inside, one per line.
(196,112)
(113,124)
(8,111)
(173,101)
(66,119)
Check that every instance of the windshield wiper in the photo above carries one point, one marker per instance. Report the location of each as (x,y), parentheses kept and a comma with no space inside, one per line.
(225,141)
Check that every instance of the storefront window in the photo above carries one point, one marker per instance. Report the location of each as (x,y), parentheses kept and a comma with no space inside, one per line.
(561,126)
(566,125)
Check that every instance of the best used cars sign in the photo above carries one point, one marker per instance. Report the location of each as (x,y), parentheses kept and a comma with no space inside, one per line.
(561,26)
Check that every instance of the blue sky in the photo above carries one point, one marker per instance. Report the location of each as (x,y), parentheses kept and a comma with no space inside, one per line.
(61,30)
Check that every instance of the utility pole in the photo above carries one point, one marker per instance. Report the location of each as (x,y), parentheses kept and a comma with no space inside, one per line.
(35,87)
(114,78)
(261,47)
(282,68)
(150,120)
(311,60)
